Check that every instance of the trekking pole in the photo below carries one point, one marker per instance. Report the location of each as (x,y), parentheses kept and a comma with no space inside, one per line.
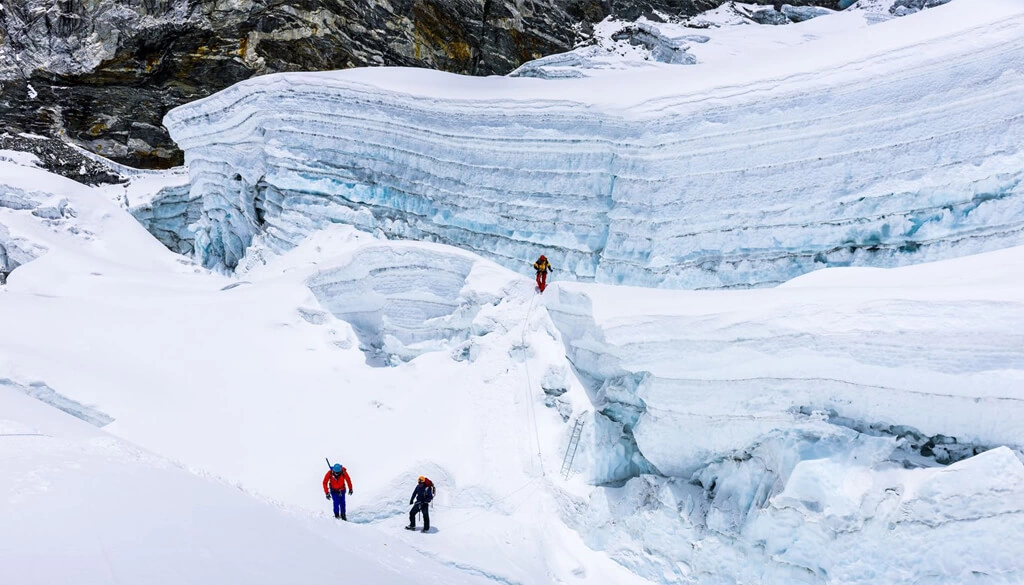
(328,462)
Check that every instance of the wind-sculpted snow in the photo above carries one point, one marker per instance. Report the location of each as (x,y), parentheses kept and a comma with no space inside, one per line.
(401,300)
(894,144)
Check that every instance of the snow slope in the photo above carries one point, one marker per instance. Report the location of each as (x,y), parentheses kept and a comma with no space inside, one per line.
(80,506)
(255,381)
(883,145)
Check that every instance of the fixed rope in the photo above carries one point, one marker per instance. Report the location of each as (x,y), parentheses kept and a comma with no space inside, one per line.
(529,386)
(488,508)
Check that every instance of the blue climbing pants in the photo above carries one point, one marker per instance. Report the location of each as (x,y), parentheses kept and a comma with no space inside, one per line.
(339,502)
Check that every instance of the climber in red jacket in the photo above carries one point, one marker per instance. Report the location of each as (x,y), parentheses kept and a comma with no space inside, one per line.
(334,488)
(542,266)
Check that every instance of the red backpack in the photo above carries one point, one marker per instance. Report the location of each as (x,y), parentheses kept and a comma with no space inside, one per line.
(430,485)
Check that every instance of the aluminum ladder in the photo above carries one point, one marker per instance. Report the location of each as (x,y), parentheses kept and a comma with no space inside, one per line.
(574,444)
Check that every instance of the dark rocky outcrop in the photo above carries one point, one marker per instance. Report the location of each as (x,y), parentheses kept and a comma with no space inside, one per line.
(62,159)
(102,73)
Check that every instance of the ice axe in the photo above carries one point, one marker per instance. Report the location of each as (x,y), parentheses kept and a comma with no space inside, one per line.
(328,470)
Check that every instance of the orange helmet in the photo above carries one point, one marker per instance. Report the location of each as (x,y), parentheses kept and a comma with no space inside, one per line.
(421,479)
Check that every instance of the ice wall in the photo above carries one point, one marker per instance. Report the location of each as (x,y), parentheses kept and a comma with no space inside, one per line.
(169,215)
(889,145)
(842,514)
(830,430)
(716,373)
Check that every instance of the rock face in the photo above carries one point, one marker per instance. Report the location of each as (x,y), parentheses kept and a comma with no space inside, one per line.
(59,158)
(103,73)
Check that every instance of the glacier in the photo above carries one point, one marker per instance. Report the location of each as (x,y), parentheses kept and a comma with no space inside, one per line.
(889,400)
(169,217)
(850,425)
(887,145)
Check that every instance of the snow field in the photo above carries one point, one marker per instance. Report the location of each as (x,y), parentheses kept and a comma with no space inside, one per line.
(81,506)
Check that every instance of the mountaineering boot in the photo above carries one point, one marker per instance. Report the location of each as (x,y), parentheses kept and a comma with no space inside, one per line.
(411,527)
(337,515)
(426,529)
(343,517)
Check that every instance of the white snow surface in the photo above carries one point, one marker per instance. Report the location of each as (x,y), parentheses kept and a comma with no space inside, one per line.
(255,382)
(81,506)
(250,382)
(853,425)
(882,145)
(716,36)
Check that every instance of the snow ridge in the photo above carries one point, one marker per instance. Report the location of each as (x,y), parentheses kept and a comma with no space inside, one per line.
(891,147)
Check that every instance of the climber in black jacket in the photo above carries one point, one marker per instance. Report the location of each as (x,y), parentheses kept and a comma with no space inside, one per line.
(420,502)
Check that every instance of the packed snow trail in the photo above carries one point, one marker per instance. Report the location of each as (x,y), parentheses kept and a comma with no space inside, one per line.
(529,385)
(884,145)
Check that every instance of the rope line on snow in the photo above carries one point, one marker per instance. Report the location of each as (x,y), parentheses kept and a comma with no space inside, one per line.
(532,412)
(487,509)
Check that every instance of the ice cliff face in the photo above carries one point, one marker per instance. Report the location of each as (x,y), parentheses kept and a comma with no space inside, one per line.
(754,366)
(168,217)
(866,154)
(787,434)
(825,509)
